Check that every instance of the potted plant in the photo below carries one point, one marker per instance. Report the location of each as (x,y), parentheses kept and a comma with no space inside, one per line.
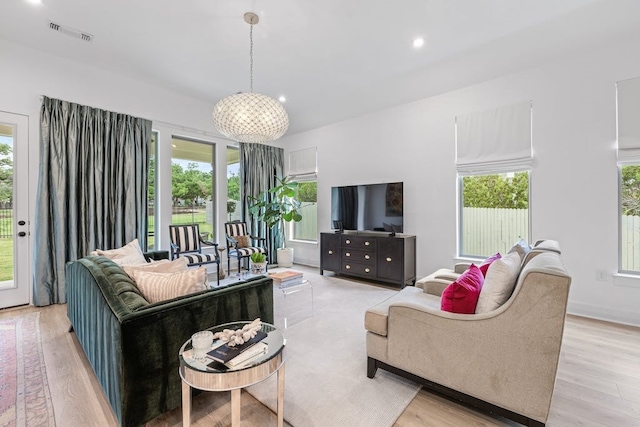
(275,207)
(258,263)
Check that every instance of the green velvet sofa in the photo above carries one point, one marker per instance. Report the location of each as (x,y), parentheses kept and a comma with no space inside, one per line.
(133,345)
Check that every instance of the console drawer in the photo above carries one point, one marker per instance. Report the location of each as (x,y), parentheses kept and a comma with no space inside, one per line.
(355,255)
(358,242)
(358,269)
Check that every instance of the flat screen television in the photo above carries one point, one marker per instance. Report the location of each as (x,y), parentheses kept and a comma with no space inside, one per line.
(369,207)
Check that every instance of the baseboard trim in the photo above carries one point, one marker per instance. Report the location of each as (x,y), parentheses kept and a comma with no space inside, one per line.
(623,317)
(373,365)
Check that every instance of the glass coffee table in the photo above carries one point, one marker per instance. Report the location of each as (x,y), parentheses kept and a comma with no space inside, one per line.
(211,376)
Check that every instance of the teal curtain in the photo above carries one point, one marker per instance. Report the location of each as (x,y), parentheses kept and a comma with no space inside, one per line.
(259,166)
(92,189)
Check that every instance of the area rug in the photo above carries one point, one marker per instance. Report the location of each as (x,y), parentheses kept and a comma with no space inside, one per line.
(326,382)
(25,399)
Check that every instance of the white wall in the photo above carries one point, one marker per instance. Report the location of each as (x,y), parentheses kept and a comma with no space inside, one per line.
(573,183)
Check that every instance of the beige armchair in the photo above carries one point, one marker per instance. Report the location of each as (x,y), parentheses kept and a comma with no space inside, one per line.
(504,361)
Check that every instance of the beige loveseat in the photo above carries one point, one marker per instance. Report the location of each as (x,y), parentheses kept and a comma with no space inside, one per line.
(504,361)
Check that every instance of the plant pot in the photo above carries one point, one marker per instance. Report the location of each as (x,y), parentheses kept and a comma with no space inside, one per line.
(258,267)
(285,257)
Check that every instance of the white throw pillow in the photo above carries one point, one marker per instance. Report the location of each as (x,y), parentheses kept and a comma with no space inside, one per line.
(157,287)
(129,254)
(521,247)
(499,282)
(161,266)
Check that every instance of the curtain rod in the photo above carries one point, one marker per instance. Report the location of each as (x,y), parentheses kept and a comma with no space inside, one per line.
(179,127)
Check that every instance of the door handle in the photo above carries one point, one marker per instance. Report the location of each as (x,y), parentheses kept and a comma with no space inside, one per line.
(22,234)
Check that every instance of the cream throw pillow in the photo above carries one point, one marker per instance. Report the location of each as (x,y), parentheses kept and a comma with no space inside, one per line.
(157,287)
(499,282)
(129,254)
(161,266)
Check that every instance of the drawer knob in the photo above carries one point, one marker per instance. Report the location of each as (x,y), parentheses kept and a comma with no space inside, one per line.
(348,267)
(367,243)
(366,270)
(388,259)
(330,252)
(367,257)
(347,241)
(347,254)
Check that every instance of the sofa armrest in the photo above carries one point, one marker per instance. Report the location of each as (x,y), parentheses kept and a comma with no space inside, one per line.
(156,255)
(436,286)
(461,267)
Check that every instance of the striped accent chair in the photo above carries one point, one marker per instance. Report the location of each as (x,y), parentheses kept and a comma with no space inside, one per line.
(187,242)
(240,244)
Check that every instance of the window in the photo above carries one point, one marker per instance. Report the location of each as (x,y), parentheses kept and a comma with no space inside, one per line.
(628,111)
(234,211)
(303,168)
(493,159)
(151,193)
(192,185)
(630,218)
(307,228)
(494,212)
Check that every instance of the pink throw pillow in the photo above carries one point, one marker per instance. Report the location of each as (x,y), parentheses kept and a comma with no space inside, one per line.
(487,262)
(461,296)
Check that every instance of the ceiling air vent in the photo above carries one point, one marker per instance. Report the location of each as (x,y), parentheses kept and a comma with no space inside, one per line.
(71,32)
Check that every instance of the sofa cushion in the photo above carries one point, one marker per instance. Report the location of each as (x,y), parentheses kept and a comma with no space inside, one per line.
(499,283)
(129,254)
(162,266)
(375,318)
(461,296)
(521,247)
(163,286)
(487,262)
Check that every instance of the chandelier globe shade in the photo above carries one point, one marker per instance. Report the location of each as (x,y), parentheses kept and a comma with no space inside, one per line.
(250,116)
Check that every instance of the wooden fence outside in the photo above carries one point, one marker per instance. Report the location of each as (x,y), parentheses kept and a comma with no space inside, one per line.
(487,231)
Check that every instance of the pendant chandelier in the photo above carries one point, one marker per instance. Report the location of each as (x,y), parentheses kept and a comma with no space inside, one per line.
(250,117)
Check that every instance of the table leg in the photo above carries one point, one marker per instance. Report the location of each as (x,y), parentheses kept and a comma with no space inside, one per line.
(186,404)
(235,407)
(281,396)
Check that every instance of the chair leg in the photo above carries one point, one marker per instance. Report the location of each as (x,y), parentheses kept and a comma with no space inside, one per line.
(218,272)
(228,265)
(239,264)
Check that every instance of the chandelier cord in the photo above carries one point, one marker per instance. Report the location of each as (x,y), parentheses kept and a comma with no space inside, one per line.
(251,59)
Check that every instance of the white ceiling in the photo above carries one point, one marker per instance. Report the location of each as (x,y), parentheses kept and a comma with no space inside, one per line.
(332,59)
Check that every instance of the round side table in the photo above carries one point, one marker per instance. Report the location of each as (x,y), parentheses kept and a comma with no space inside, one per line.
(214,377)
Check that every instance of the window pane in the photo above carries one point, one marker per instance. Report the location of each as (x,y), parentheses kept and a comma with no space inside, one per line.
(494,212)
(234,210)
(307,229)
(630,218)
(192,185)
(151,193)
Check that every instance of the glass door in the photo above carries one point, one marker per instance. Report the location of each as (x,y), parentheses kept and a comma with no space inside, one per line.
(14,220)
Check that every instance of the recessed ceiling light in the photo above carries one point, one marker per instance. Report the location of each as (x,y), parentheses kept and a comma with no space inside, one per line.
(35,1)
(418,42)
(282,98)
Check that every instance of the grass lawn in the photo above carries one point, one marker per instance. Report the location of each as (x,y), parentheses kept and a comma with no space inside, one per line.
(6,259)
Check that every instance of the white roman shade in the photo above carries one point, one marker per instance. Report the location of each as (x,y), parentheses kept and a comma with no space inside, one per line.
(497,139)
(629,119)
(303,163)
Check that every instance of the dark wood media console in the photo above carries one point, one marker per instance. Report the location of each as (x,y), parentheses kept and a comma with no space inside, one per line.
(375,256)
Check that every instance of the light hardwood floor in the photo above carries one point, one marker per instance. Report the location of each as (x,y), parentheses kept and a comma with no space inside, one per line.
(598,384)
